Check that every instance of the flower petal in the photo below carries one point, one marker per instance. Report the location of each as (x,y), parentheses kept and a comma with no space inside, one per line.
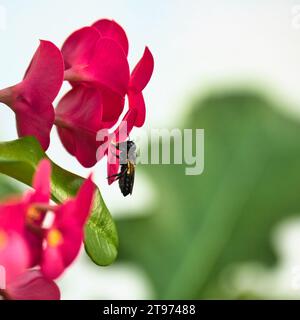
(104,142)
(84,201)
(12,216)
(136,101)
(67,138)
(78,119)
(14,254)
(83,145)
(52,264)
(113,164)
(125,127)
(109,66)
(33,97)
(111,29)
(119,135)
(81,109)
(113,105)
(13,219)
(37,124)
(68,231)
(79,47)
(142,73)
(76,211)
(41,182)
(104,66)
(35,244)
(40,195)
(44,76)
(32,285)
(57,257)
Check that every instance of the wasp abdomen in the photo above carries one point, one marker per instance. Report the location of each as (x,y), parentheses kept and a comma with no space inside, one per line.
(126,181)
(127,159)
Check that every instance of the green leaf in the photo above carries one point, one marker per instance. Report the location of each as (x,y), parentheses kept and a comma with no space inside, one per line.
(7,188)
(202,225)
(19,159)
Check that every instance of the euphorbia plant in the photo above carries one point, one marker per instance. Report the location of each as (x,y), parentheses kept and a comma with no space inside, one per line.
(94,61)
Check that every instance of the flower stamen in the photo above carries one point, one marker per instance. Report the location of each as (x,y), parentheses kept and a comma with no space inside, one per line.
(3,239)
(33,214)
(54,238)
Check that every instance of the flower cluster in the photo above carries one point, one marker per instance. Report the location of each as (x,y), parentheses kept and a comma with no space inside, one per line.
(94,61)
(33,251)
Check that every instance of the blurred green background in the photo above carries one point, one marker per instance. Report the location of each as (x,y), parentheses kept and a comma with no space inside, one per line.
(201,226)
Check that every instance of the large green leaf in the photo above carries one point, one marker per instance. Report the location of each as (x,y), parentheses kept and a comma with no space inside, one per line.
(202,225)
(19,159)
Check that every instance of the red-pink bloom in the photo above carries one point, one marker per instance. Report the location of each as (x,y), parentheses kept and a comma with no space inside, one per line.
(16,258)
(64,238)
(25,242)
(19,219)
(31,99)
(96,57)
(97,61)
(97,68)
(22,217)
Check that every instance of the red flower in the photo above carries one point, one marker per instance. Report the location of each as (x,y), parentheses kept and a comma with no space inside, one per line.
(64,238)
(20,217)
(97,67)
(98,55)
(16,257)
(98,61)
(31,99)
(25,243)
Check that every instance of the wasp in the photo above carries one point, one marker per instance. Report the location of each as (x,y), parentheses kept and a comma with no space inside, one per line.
(127,156)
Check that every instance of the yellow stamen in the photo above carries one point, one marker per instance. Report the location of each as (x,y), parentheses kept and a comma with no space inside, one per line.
(3,239)
(33,214)
(54,238)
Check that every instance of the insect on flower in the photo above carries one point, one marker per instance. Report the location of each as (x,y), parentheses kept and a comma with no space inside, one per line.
(127,160)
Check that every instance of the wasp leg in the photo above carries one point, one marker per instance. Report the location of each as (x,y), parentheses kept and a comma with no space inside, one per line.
(117,145)
(118,175)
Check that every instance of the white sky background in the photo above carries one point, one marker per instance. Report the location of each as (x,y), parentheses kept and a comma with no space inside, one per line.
(197,44)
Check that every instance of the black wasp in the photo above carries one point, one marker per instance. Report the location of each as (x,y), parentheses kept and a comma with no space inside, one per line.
(127,157)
